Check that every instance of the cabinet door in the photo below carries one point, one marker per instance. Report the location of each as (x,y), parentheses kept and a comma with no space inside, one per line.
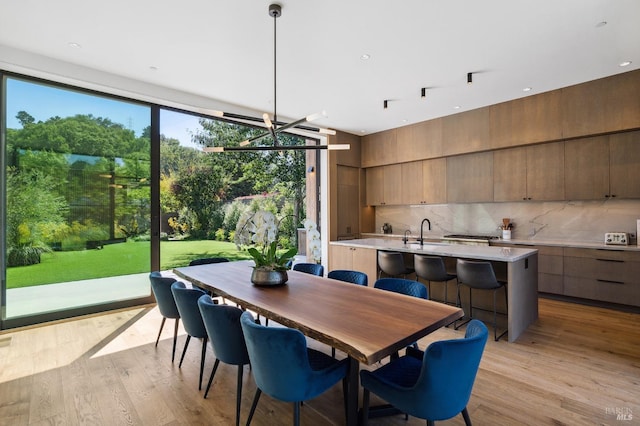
(545,172)
(375,189)
(379,149)
(420,141)
(434,181)
(465,132)
(624,149)
(510,174)
(348,201)
(365,260)
(470,178)
(587,168)
(411,187)
(340,257)
(391,185)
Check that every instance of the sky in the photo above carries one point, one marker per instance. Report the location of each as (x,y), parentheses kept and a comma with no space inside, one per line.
(43,102)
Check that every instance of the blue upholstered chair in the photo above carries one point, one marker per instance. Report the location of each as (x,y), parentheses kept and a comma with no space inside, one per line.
(161,287)
(208,261)
(403,286)
(187,303)
(434,385)
(354,277)
(285,369)
(309,268)
(222,323)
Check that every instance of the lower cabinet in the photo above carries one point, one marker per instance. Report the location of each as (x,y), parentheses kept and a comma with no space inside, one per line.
(354,259)
(604,275)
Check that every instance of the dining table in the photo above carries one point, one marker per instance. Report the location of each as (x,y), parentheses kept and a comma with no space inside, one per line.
(365,323)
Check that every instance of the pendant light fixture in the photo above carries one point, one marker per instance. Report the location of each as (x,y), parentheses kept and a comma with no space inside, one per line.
(272,125)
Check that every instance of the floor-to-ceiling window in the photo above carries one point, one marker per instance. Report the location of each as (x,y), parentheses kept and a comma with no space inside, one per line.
(76,231)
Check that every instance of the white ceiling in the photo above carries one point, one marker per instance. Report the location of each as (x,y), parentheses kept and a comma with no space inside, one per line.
(223,50)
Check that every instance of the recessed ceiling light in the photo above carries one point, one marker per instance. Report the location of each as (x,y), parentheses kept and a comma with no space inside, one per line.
(365,57)
(153,68)
(601,24)
(404,120)
(625,63)
(526,89)
(74,45)
(456,107)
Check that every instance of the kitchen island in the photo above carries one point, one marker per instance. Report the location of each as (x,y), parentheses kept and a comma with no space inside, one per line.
(517,266)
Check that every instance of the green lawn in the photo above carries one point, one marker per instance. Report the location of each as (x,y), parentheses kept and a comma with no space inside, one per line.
(115,259)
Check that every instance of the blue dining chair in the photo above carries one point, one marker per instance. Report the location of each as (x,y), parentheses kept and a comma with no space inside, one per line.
(403,286)
(406,287)
(309,268)
(187,303)
(432,385)
(285,368)
(222,323)
(354,277)
(161,287)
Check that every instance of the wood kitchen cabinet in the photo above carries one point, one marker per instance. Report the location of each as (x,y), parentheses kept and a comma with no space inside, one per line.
(383,185)
(354,259)
(587,168)
(379,149)
(603,275)
(348,211)
(419,141)
(424,182)
(529,173)
(550,266)
(465,132)
(527,120)
(470,178)
(624,162)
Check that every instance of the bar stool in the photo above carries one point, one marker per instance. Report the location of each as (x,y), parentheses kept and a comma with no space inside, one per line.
(431,268)
(480,275)
(392,264)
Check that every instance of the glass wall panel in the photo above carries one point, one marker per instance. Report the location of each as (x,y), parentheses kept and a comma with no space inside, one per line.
(77,209)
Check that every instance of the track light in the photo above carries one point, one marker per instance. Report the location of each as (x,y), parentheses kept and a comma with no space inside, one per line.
(469,78)
(385,104)
(423,92)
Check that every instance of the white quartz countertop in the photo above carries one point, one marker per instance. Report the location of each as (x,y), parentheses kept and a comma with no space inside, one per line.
(501,254)
(525,242)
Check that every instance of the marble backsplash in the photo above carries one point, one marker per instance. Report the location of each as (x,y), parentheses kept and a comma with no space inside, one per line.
(576,221)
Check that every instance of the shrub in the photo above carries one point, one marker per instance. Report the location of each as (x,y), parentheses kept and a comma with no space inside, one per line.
(221,234)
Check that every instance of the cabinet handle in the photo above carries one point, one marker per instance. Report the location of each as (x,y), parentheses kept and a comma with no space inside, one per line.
(611,260)
(610,281)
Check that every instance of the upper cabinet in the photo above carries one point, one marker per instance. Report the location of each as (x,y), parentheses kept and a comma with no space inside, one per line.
(383,185)
(424,182)
(624,161)
(603,167)
(419,141)
(465,132)
(606,105)
(526,121)
(529,173)
(470,178)
(379,149)
(350,157)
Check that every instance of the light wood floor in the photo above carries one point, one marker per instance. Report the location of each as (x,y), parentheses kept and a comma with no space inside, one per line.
(577,366)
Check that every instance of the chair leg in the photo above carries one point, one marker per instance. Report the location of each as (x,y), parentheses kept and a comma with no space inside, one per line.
(345,392)
(465,415)
(333,352)
(213,373)
(296,413)
(430,423)
(175,339)
(184,351)
(239,394)
(203,355)
(254,405)
(506,304)
(160,332)
(365,407)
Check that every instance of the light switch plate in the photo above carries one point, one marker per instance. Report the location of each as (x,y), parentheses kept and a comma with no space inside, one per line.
(616,238)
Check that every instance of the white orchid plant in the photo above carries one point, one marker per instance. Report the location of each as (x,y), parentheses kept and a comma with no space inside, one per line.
(258,231)
(314,245)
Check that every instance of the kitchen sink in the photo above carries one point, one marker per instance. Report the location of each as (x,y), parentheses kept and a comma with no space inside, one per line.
(417,246)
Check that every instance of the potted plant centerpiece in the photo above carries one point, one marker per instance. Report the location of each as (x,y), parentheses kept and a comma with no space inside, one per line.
(258,231)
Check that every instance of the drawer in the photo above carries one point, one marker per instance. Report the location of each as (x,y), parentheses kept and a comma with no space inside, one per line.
(630,256)
(603,290)
(602,268)
(550,283)
(550,264)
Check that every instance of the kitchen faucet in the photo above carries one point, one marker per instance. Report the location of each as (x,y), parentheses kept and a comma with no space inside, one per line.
(406,236)
(422,229)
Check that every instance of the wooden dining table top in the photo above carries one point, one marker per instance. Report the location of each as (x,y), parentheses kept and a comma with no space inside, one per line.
(366,323)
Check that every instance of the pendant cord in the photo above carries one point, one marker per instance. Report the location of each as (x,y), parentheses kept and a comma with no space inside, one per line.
(275,114)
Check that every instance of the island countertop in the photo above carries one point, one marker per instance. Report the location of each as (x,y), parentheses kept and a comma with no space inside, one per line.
(500,254)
